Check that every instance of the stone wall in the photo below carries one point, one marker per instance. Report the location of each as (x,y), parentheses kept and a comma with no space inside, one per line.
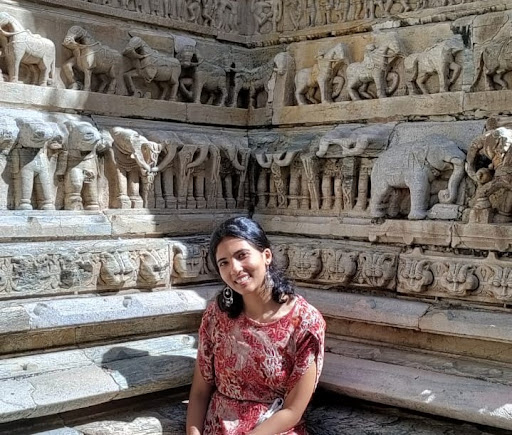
(370,138)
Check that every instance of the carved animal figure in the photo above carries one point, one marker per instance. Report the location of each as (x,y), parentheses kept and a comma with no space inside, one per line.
(117,268)
(255,80)
(8,138)
(21,46)
(152,66)
(34,160)
(415,166)
(493,60)
(91,57)
(438,59)
(134,157)
(375,68)
(494,146)
(81,181)
(200,76)
(321,75)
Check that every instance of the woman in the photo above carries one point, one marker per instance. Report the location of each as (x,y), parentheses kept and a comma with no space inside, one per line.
(260,346)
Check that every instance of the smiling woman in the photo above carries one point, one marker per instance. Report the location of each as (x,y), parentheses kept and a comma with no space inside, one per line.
(260,346)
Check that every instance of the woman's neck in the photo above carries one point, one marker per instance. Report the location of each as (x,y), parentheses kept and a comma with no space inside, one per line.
(262,308)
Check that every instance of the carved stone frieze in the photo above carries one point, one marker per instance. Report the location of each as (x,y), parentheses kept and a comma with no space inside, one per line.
(191,261)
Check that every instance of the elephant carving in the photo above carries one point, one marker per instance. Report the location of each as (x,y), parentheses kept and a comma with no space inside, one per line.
(134,157)
(21,46)
(36,159)
(201,77)
(90,56)
(8,138)
(152,66)
(321,75)
(81,181)
(415,166)
(438,59)
(375,68)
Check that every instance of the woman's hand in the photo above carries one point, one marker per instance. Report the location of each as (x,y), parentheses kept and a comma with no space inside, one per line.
(200,394)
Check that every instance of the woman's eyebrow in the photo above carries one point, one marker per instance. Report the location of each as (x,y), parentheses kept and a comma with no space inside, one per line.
(234,253)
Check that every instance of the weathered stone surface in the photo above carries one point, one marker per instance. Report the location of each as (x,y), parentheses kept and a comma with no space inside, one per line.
(476,324)
(452,396)
(373,309)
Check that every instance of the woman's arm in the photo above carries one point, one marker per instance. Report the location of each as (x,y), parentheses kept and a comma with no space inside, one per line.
(294,406)
(200,393)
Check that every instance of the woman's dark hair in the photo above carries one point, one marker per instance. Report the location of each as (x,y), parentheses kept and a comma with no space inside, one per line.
(246,229)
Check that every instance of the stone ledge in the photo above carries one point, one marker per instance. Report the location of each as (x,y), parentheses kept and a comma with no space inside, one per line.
(30,325)
(421,316)
(470,400)
(16,95)
(45,384)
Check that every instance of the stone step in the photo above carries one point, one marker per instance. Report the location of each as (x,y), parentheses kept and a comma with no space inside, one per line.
(29,325)
(54,382)
(459,397)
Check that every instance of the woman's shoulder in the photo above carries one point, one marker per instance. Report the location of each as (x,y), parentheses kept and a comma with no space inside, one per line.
(307,312)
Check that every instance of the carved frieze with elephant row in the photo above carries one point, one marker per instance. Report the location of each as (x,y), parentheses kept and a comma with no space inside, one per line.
(41,270)
(74,165)
(372,171)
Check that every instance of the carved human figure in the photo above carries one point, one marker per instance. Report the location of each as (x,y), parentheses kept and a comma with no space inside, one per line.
(35,160)
(438,59)
(310,8)
(321,75)
(134,157)
(494,146)
(85,142)
(8,138)
(91,57)
(152,66)
(415,166)
(292,10)
(199,76)
(262,12)
(375,67)
(21,46)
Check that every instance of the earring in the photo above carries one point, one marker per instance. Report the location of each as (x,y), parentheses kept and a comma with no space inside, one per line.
(227,296)
(269,282)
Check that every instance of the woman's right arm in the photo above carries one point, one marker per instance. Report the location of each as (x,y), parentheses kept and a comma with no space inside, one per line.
(200,394)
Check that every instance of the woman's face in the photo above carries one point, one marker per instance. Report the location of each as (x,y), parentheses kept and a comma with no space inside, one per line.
(242,267)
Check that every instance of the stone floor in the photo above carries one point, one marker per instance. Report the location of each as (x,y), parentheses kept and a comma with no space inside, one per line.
(328,414)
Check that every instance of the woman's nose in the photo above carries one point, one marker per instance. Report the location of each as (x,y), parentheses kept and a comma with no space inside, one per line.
(236,266)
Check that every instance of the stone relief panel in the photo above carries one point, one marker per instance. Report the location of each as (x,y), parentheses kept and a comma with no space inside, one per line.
(338,265)
(72,163)
(40,269)
(484,278)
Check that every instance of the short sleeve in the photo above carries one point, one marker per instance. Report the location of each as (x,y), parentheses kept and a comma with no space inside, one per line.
(310,346)
(205,357)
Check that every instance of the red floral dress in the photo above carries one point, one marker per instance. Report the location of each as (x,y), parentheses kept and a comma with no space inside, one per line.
(252,364)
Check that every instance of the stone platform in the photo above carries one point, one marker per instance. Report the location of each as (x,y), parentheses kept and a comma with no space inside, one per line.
(328,414)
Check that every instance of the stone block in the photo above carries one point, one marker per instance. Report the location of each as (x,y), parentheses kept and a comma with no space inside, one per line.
(13,318)
(481,325)
(16,400)
(371,309)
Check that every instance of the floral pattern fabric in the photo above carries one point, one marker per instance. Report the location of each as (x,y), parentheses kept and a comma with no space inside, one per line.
(251,364)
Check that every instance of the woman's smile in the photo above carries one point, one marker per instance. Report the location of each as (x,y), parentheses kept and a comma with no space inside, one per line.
(241,265)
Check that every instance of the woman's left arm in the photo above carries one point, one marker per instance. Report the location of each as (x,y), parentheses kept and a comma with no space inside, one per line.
(294,406)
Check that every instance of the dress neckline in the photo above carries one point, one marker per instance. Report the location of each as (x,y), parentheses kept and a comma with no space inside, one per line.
(279,319)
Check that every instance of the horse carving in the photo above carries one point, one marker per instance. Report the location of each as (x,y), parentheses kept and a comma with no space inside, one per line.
(21,46)
(152,66)
(90,56)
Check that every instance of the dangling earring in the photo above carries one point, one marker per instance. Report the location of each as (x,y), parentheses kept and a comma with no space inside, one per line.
(227,296)
(269,282)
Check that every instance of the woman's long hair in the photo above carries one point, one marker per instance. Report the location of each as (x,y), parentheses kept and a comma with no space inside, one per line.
(250,231)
